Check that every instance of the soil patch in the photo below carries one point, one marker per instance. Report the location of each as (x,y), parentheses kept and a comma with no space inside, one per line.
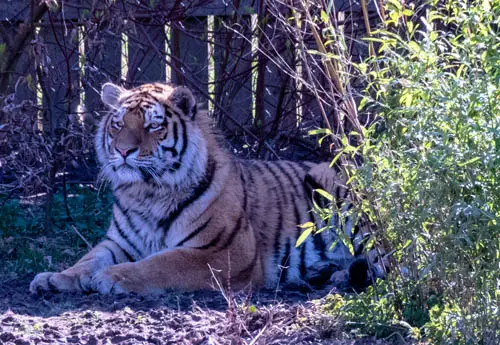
(266,317)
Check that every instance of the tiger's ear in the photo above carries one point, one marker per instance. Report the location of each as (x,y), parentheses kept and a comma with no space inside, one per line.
(110,94)
(183,99)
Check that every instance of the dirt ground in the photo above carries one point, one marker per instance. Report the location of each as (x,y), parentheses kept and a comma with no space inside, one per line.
(266,317)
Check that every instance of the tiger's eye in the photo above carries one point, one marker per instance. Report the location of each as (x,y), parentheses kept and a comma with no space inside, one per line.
(153,127)
(117,125)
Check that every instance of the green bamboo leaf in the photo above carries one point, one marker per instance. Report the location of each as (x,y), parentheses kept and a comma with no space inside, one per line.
(324,194)
(319,131)
(469,161)
(324,17)
(305,234)
(336,158)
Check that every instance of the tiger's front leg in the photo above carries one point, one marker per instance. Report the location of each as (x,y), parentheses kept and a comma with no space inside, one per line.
(182,269)
(77,278)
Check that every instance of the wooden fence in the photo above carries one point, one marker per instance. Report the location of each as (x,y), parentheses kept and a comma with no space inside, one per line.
(209,45)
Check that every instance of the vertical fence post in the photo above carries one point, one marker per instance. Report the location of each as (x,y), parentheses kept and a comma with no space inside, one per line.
(62,74)
(22,79)
(233,69)
(189,49)
(102,64)
(146,52)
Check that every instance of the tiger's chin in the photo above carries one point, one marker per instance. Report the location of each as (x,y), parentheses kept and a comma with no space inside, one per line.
(126,174)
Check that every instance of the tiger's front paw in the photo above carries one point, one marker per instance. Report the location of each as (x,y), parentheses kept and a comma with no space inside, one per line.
(58,282)
(119,279)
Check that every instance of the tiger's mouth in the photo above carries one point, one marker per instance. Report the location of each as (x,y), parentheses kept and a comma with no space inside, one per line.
(126,165)
(126,171)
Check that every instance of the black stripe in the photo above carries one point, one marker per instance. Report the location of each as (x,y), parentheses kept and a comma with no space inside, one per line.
(105,133)
(126,215)
(318,240)
(320,245)
(293,200)
(172,150)
(125,185)
(249,171)
(306,192)
(288,176)
(311,183)
(233,234)
(125,237)
(213,242)
(277,238)
(251,183)
(141,216)
(176,134)
(245,196)
(200,189)
(168,112)
(299,176)
(284,262)
(146,176)
(113,256)
(245,273)
(184,138)
(302,265)
(321,250)
(129,257)
(306,166)
(279,225)
(194,233)
(317,244)
(194,111)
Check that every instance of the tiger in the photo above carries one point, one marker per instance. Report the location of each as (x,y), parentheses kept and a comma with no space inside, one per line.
(189,215)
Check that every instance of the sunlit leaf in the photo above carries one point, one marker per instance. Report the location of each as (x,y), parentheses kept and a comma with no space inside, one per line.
(304,235)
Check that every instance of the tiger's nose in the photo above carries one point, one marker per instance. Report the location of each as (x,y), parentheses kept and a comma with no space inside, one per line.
(126,151)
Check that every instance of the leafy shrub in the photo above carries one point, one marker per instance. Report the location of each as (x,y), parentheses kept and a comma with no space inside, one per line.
(431,170)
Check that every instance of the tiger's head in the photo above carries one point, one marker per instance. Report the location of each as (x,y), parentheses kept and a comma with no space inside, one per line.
(150,134)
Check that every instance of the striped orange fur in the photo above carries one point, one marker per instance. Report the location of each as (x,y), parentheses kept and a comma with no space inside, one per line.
(187,211)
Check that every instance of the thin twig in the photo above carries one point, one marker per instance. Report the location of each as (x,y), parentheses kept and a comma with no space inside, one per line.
(81,236)
(254,340)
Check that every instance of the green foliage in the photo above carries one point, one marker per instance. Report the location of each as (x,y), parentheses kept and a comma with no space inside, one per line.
(432,166)
(372,312)
(26,247)
(431,172)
